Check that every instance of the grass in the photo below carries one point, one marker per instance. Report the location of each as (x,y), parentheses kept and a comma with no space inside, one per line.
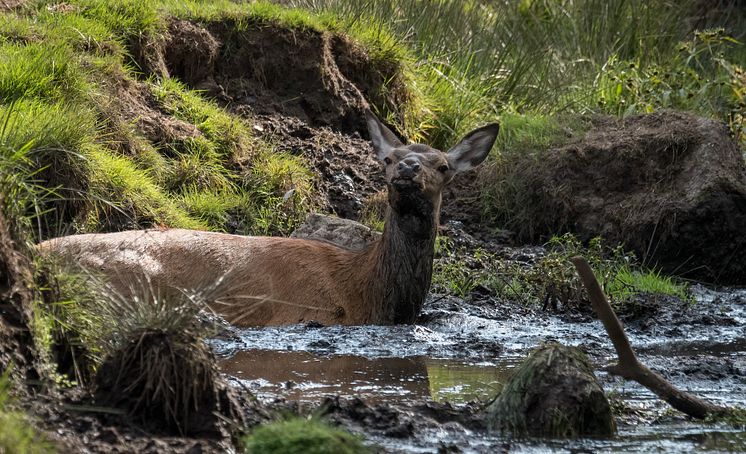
(307,436)
(551,281)
(17,433)
(119,187)
(478,60)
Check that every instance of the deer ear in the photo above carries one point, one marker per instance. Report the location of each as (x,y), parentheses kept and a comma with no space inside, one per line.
(383,139)
(473,148)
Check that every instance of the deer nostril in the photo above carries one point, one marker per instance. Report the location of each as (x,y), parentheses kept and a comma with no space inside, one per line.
(409,168)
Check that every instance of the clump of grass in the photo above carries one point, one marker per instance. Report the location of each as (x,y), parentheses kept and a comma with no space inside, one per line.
(128,19)
(280,192)
(214,208)
(296,436)
(17,434)
(198,165)
(37,70)
(148,349)
(119,188)
(229,134)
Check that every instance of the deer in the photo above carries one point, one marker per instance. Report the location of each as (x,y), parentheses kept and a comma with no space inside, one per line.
(263,281)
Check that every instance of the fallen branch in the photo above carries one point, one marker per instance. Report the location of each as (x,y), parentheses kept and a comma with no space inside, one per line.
(628,366)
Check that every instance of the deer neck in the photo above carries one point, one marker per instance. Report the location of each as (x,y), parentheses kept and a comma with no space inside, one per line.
(403,262)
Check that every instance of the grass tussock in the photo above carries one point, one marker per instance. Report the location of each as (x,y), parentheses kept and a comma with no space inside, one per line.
(142,348)
(307,436)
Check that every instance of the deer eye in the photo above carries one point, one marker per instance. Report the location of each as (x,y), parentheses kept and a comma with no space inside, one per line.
(387,160)
(443,168)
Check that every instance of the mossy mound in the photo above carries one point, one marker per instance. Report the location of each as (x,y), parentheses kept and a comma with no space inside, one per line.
(301,436)
(553,393)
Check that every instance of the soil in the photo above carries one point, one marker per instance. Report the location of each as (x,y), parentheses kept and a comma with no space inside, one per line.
(17,350)
(670,186)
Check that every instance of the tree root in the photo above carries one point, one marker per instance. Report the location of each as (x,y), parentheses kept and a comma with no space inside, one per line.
(628,366)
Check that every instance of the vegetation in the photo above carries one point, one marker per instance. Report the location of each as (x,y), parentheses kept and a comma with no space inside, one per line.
(17,434)
(91,141)
(298,435)
(479,60)
(60,98)
(550,279)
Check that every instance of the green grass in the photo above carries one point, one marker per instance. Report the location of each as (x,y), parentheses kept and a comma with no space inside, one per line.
(119,187)
(229,134)
(296,436)
(552,280)
(37,70)
(17,433)
(477,60)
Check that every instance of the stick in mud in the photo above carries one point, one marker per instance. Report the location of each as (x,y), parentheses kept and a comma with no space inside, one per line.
(628,366)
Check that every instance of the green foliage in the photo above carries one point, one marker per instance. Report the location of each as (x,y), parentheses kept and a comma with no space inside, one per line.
(128,19)
(213,208)
(296,436)
(551,279)
(732,416)
(229,134)
(280,188)
(477,59)
(17,434)
(698,78)
(38,70)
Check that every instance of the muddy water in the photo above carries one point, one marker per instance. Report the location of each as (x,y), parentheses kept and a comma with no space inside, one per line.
(463,351)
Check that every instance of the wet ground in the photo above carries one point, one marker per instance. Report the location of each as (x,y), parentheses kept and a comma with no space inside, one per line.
(418,388)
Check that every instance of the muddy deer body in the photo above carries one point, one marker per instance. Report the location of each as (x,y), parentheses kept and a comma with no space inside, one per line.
(272,281)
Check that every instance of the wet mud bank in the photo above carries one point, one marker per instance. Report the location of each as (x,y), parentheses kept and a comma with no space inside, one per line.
(421,388)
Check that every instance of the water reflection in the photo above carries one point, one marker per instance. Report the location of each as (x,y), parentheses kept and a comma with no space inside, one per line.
(304,376)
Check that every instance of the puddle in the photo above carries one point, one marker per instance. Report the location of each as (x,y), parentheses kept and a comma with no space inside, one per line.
(461,353)
(308,377)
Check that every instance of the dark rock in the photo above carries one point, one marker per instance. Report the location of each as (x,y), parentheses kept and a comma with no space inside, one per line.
(343,232)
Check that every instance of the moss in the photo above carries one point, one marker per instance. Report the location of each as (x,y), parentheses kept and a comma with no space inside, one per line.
(296,436)
(552,393)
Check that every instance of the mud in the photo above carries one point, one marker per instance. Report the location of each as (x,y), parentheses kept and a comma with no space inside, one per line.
(348,174)
(419,388)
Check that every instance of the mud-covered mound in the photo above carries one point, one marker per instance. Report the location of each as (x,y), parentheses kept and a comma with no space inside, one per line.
(319,77)
(348,172)
(670,186)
